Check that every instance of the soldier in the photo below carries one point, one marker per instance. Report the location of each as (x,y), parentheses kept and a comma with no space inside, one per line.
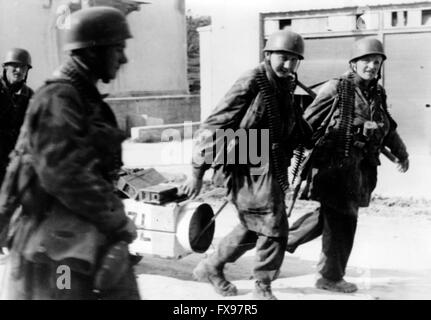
(352,125)
(14,98)
(261,99)
(70,240)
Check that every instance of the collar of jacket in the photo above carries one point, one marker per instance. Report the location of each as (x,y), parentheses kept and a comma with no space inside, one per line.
(74,72)
(22,89)
(368,92)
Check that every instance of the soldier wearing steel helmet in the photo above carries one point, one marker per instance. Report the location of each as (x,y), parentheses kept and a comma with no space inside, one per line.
(14,98)
(70,239)
(352,126)
(262,99)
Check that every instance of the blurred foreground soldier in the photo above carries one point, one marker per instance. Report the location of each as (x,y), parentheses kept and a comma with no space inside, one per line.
(70,240)
(261,99)
(14,98)
(352,125)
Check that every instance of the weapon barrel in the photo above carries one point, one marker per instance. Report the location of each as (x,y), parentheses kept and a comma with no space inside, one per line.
(294,196)
(388,154)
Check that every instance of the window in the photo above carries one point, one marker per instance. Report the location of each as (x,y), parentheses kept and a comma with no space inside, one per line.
(394,19)
(426,17)
(399,18)
(360,22)
(283,23)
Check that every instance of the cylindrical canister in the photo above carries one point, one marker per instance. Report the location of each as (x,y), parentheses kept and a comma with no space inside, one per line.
(193,219)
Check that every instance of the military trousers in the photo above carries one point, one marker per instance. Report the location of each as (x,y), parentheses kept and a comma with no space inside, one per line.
(337,227)
(306,228)
(269,256)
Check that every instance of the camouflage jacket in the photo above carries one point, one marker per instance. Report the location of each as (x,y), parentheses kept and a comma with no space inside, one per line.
(257,195)
(352,179)
(75,147)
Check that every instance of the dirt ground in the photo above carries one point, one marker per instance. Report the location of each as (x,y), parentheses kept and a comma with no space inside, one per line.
(391,259)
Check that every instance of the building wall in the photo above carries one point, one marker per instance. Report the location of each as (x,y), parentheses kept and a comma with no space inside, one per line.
(157,53)
(408,85)
(171,109)
(235,38)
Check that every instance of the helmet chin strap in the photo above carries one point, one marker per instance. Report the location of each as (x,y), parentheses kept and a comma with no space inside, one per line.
(100,64)
(90,59)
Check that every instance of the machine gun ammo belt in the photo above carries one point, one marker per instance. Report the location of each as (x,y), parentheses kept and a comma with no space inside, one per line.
(299,156)
(274,121)
(344,136)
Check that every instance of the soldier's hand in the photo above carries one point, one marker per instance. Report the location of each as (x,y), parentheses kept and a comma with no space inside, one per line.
(192,187)
(127,232)
(403,166)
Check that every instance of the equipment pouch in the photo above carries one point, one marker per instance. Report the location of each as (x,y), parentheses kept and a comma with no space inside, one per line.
(113,265)
(67,239)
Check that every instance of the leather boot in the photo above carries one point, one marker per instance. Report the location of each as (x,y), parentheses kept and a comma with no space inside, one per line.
(262,291)
(336,286)
(205,271)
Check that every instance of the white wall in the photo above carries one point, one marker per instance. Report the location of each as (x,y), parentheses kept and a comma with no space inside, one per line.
(157,53)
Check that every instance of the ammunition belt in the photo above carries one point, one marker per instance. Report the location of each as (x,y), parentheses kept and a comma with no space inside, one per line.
(299,156)
(274,121)
(344,136)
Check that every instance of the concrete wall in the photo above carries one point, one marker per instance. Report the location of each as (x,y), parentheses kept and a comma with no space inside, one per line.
(157,53)
(172,109)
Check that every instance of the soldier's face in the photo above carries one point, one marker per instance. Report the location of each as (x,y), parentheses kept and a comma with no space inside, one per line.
(283,63)
(114,57)
(368,67)
(15,72)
